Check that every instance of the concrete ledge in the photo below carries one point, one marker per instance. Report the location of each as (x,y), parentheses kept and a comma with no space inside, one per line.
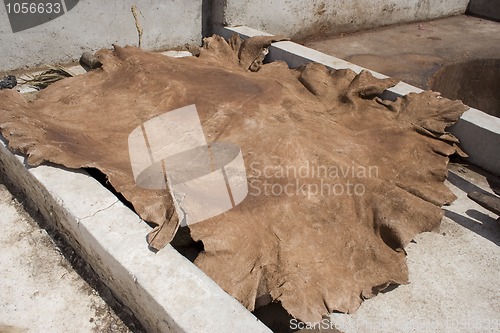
(479,135)
(166,292)
(478,132)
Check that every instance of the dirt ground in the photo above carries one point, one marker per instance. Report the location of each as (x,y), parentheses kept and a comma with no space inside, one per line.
(44,285)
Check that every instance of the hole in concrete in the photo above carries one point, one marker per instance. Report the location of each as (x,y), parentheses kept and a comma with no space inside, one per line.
(475,82)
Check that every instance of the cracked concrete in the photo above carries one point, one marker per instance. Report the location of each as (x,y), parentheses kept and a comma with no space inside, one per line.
(98,211)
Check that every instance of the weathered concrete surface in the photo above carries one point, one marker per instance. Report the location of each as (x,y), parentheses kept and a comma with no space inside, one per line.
(94,24)
(303,18)
(485,8)
(39,290)
(455,281)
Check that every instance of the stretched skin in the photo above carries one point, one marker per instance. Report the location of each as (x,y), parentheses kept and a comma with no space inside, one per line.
(314,252)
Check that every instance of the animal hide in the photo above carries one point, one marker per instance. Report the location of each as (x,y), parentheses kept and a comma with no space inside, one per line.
(339,180)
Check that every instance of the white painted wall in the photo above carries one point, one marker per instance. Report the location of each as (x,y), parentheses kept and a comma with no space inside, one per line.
(94,24)
(299,18)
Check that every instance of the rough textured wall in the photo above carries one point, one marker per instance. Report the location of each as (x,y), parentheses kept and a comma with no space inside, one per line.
(93,24)
(485,8)
(302,18)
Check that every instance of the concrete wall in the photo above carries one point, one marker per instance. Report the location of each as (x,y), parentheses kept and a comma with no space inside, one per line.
(485,8)
(300,18)
(93,24)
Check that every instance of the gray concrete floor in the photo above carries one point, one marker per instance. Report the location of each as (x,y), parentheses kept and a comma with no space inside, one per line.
(414,52)
(40,291)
